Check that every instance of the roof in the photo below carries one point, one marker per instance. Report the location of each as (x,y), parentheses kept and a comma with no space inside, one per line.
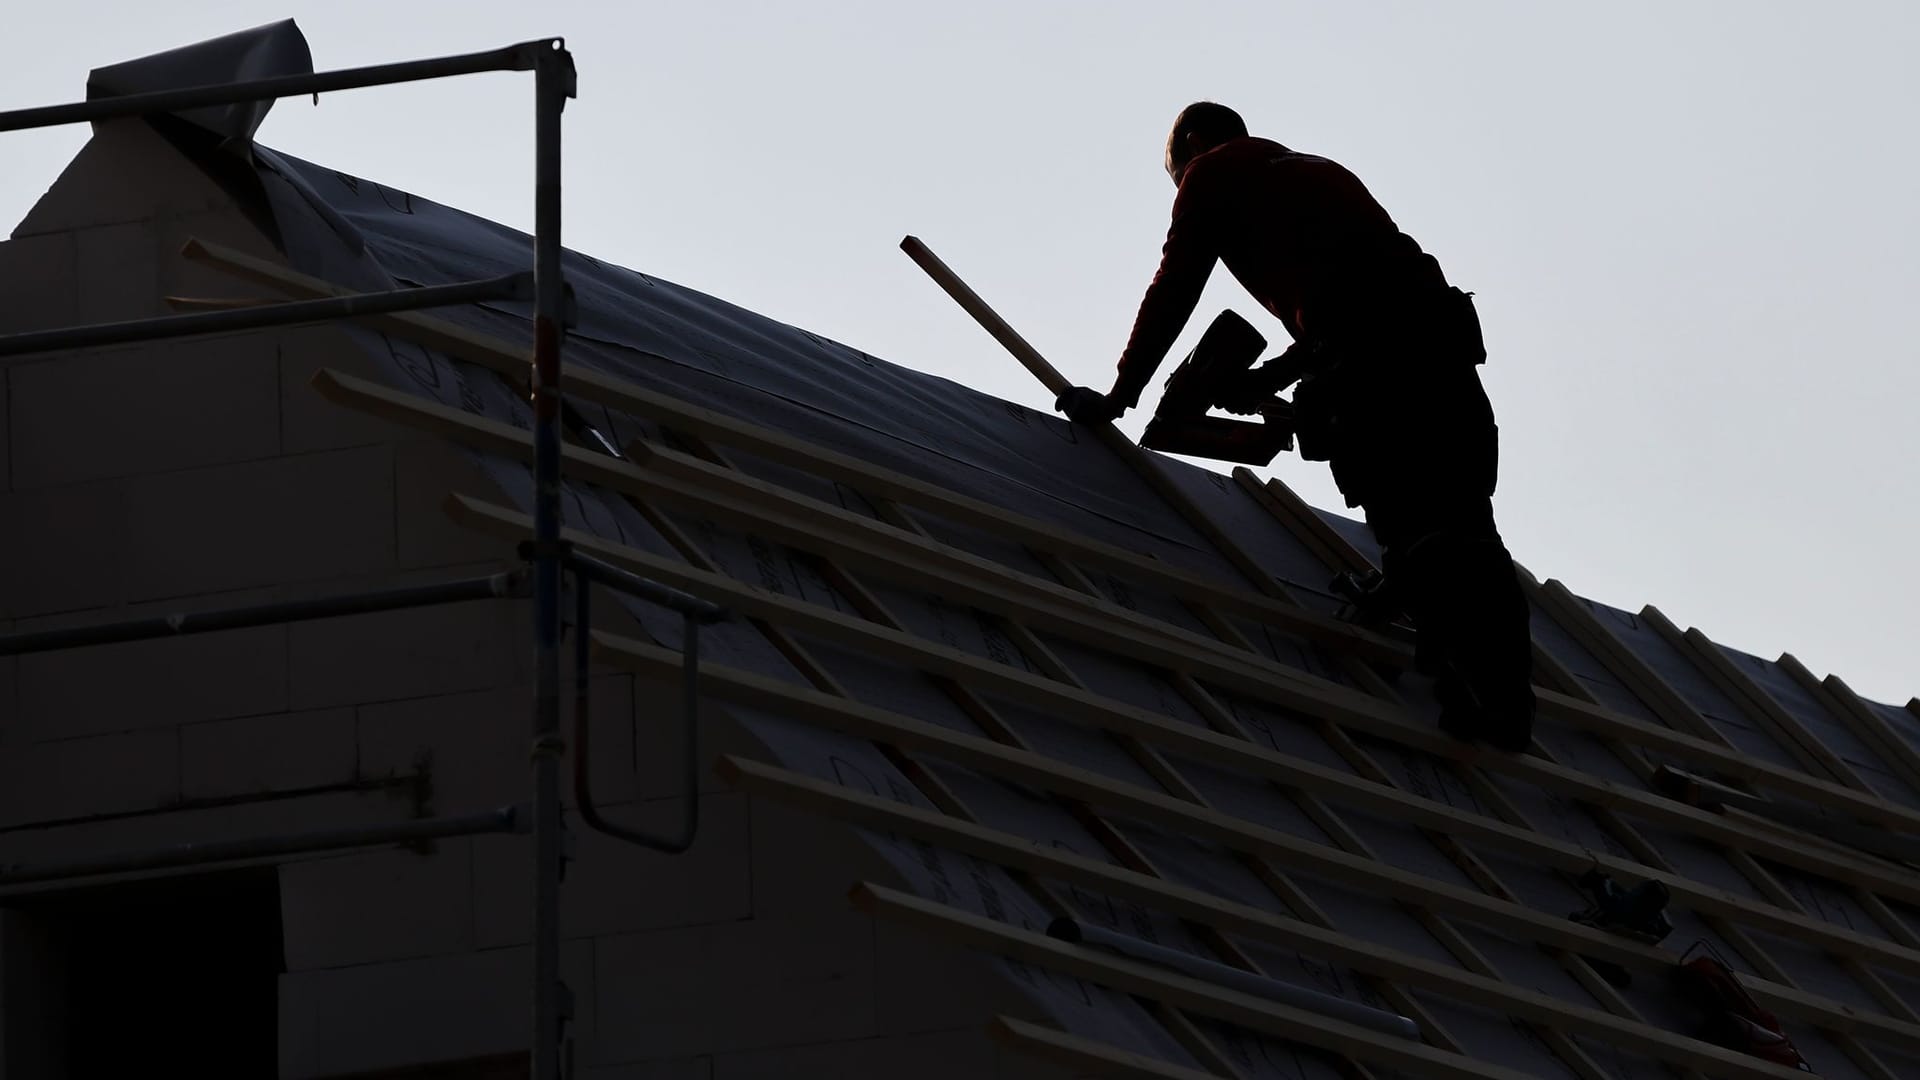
(1052,675)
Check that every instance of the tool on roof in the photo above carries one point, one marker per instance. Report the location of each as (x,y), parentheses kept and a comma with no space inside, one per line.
(1638,911)
(1709,794)
(1067,928)
(1219,373)
(1729,1015)
(1716,795)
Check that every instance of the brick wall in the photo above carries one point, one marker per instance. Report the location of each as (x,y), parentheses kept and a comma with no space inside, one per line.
(204,473)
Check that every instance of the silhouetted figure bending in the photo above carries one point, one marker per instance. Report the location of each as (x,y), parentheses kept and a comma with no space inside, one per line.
(1391,399)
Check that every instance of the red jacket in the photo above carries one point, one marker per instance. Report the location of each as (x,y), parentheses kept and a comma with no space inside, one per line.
(1299,232)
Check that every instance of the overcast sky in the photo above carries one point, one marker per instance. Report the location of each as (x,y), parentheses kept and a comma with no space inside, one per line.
(1692,227)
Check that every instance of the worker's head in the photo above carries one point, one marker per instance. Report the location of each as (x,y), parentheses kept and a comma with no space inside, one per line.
(1199,128)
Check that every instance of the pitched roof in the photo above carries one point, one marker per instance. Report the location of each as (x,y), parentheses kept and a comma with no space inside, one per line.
(1049,676)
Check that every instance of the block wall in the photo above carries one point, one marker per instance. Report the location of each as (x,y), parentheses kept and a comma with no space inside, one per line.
(204,473)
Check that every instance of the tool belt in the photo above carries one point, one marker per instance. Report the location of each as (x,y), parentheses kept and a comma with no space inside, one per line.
(1346,371)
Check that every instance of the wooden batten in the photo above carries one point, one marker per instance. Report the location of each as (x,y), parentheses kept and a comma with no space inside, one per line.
(1570,709)
(1086,1056)
(1322,539)
(1832,692)
(1116,716)
(1759,706)
(896,549)
(1006,849)
(1631,755)
(1352,871)
(1208,999)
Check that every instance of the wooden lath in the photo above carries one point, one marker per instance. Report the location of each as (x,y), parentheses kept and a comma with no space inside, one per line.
(900,647)
(1363,764)
(683,417)
(502,362)
(869,811)
(1338,554)
(694,425)
(916,562)
(1119,718)
(1283,888)
(1374,717)
(1632,755)
(931,785)
(1760,707)
(1623,663)
(1181,1026)
(1574,616)
(1153,472)
(1085,1054)
(1738,687)
(1320,538)
(1234,1007)
(1866,723)
(1572,711)
(1110,838)
(1081,707)
(1208,657)
(511,361)
(1316,859)
(913,562)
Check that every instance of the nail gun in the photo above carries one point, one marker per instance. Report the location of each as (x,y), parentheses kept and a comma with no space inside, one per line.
(1219,373)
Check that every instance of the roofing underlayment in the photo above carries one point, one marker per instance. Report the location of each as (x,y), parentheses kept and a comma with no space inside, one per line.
(1041,683)
(1043,687)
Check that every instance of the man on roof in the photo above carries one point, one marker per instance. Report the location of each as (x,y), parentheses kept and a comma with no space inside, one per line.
(1392,400)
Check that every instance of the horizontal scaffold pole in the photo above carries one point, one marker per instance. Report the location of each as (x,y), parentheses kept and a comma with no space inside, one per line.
(510,287)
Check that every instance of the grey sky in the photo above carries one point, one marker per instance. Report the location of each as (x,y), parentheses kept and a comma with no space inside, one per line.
(1692,226)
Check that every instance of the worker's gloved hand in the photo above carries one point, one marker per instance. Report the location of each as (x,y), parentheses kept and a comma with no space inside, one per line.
(1085,405)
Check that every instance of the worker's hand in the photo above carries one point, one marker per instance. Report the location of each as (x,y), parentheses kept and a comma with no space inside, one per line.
(1245,393)
(1085,405)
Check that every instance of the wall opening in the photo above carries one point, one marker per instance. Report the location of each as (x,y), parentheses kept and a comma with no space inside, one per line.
(176,975)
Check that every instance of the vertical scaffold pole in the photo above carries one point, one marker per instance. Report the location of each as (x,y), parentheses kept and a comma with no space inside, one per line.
(554,83)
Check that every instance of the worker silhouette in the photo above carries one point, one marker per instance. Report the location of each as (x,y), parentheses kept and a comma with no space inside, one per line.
(1390,398)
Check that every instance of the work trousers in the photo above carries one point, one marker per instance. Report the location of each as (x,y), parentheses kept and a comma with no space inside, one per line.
(1418,449)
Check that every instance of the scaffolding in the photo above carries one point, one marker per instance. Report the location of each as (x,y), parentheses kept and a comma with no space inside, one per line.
(545,560)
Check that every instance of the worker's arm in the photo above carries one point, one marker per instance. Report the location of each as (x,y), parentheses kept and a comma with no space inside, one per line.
(1185,262)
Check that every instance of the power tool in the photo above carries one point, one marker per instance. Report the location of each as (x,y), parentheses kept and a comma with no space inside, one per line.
(1635,911)
(1219,373)
(1728,1014)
